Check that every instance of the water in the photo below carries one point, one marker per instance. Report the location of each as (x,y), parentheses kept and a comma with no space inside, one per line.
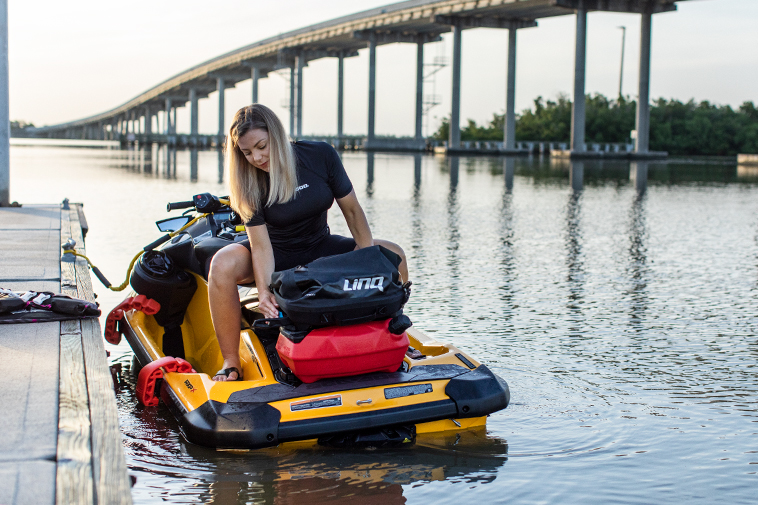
(622,314)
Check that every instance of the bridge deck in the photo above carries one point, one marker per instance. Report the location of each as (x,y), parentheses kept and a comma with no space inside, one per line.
(399,22)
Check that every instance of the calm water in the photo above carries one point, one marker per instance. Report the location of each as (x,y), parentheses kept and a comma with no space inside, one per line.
(625,320)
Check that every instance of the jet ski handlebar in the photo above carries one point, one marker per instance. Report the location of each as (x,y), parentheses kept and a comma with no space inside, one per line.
(204,202)
(179,205)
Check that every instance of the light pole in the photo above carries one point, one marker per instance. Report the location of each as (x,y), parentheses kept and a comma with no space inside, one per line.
(5,170)
(621,72)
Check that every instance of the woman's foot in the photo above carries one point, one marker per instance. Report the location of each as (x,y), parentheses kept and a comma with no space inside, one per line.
(231,373)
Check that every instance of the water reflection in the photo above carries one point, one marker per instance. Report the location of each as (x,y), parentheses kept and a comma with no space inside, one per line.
(637,269)
(453,236)
(418,235)
(574,256)
(296,472)
(576,175)
(147,168)
(748,173)
(370,174)
(417,159)
(308,473)
(193,165)
(169,162)
(638,175)
(220,155)
(507,261)
(509,168)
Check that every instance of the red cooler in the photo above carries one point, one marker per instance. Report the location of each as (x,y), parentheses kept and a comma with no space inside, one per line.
(339,351)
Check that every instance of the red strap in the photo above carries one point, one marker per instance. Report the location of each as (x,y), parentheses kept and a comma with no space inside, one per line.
(150,374)
(139,302)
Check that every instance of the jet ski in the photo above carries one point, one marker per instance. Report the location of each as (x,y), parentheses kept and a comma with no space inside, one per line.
(377,382)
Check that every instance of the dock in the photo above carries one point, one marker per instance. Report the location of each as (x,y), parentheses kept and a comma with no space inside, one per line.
(61,442)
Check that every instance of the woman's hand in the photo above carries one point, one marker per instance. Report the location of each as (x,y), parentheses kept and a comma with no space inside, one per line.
(263,267)
(267,304)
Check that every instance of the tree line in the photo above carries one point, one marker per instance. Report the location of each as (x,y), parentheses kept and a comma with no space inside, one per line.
(680,128)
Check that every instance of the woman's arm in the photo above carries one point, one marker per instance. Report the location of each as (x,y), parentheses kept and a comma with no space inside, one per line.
(263,268)
(356,220)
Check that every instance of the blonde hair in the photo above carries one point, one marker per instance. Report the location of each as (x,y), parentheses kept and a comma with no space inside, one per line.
(247,183)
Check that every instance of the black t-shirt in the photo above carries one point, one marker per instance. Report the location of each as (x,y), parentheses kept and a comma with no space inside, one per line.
(301,223)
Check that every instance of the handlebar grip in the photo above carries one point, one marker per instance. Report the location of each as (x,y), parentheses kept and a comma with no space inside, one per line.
(158,242)
(100,276)
(179,205)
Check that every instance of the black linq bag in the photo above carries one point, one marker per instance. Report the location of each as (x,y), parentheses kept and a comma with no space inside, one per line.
(351,288)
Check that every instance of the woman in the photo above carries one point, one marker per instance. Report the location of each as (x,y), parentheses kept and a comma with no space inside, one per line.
(282,191)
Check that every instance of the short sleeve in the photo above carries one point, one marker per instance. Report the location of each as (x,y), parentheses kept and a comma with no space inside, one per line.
(339,182)
(257,219)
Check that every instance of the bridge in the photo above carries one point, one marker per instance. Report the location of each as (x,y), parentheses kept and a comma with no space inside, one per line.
(413,22)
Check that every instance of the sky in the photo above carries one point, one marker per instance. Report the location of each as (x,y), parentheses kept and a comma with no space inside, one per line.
(70,60)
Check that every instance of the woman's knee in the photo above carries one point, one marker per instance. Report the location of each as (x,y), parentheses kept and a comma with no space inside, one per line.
(391,246)
(231,264)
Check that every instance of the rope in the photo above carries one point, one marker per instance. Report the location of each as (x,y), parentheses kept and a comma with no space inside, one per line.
(97,270)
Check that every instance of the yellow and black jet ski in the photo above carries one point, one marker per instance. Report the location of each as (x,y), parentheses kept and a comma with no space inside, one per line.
(359,398)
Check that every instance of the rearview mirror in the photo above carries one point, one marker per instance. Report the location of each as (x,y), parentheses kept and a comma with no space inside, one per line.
(172,223)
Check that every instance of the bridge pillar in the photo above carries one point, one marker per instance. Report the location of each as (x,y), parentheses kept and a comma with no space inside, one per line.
(419,88)
(5,129)
(167,118)
(292,101)
(148,123)
(371,85)
(220,86)
(299,63)
(255,74)
(577,109)
(340,94)
(193,115)
(643,102)
(455,111)
(509,134)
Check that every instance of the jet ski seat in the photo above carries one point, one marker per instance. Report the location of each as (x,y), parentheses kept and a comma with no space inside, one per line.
(206,249)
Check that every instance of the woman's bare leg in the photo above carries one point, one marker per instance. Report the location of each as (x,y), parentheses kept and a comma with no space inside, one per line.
(403,268)
(230,266)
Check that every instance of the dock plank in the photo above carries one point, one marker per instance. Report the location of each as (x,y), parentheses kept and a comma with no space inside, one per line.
(30,357)
(74,482)
(32,482)
(109,469)
(27,255)
(30,217)
(74,478)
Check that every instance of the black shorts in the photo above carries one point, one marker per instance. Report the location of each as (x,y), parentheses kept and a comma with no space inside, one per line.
(328,246)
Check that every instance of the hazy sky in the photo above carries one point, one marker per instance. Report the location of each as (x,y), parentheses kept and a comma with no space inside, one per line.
(73,59)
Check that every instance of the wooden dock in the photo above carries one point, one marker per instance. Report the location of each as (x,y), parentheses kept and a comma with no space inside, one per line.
(61,441)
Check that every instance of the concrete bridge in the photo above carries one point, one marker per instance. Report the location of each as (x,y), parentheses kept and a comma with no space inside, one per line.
(414,22)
